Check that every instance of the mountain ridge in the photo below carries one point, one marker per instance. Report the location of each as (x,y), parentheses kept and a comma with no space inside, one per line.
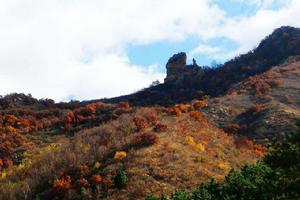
(185,82)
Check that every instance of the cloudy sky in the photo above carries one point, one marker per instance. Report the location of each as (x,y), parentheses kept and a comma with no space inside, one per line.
(86,49)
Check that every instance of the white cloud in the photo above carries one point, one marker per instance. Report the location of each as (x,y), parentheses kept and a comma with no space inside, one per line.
(248,31)
(57,48)
(204,49)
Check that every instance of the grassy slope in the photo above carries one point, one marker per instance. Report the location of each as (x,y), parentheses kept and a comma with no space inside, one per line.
(173,161)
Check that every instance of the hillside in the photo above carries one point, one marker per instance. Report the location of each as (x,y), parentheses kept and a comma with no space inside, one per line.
(150,144)
(185,82)
(201,123)
(262,106)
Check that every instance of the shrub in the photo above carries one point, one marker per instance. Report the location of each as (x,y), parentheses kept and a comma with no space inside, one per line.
(223,166)
(151,116)
(180,195)
(196,115)
(140,122)
(121,179)
(199,147)
(96,179)
(152,197)
(124,105)
(190,140)
(120,155)
(61,186)
(84,170)
(146,139)
(199,104)
(161,128)
(233,128)
(254,108)
(82,183)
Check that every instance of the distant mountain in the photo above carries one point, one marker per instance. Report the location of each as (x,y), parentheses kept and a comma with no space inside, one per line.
(186,82)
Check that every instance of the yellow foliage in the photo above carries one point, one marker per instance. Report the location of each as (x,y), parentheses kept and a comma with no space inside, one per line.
(97,165)
(3,175)
(184,108)
(120,155)
(199,147)
(53,147)
(21,166)
(224,166)
(190,140)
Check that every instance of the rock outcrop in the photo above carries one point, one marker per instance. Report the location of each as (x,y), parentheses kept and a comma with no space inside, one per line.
(178,70)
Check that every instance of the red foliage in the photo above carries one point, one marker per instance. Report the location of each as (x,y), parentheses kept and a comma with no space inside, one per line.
(124,105)
(199,117)
(161,128)
(96,179)
(260,150)
(151,116)
(9,143)
(69,120)
(246,143)
(243,142)
(146,139)
(140,122)
(61,186)
(260,84)
(7,162)
(1,164)
(83,170)
(82,183)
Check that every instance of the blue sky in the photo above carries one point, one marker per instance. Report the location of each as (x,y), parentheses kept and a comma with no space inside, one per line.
(88,49)
(159,52)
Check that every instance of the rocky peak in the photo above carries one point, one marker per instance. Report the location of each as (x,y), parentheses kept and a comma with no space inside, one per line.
(177,69)
(175,66)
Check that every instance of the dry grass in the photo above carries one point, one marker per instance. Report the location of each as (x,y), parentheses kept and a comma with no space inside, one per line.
(154,162)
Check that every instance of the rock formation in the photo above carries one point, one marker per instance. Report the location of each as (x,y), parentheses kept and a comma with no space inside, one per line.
(178,70)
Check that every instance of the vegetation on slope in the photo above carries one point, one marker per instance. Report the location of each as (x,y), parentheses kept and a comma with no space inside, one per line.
(138,151)
(283,43)
(275,177)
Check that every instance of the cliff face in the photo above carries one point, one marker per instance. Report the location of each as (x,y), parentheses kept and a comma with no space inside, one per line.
(178,71)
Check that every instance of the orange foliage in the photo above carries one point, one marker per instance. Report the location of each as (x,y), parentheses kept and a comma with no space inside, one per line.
(96,179)
(161,128)
(1,164)
(243,142)
(199,104)
(61,186)
(8,146)
(7,162)
(140,122)
(260,84)
(151,116)
(197,116)
(124,105)
(82,183)
(84,170)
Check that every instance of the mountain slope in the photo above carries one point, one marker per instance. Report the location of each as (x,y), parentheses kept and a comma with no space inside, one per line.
(186,82)
(150,144)
(262,106)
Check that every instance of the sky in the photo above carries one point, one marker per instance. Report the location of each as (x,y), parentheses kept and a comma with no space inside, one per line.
(91,49)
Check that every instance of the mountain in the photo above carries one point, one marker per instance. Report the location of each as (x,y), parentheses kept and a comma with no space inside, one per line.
(201,123)
(186,82)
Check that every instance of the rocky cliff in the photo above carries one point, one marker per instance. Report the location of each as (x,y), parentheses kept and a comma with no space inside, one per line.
(178,71)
